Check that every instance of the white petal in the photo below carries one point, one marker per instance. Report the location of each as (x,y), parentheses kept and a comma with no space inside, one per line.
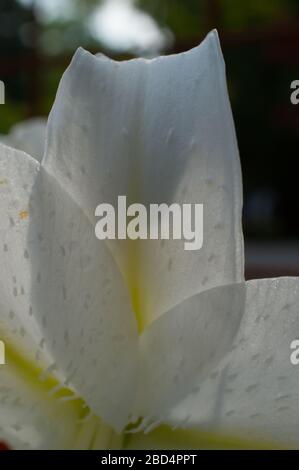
(184,344)
(61,290)
(82,304)
(156,131)
(254,393)
(18,173)
(29,136)
(29,417)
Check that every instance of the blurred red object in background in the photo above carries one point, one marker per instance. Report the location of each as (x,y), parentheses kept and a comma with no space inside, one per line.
(4,446)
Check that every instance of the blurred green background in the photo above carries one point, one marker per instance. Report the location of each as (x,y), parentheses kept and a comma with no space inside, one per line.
(260,41)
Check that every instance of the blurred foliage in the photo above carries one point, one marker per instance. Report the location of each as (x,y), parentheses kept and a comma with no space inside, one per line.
(238,15)
(189,18)
(16,25)
(186,19)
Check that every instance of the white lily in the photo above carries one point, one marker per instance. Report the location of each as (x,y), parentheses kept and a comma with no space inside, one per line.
(138,344)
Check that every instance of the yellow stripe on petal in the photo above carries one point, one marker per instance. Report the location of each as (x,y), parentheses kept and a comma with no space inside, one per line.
(163,437)
(38,382)
(89,432)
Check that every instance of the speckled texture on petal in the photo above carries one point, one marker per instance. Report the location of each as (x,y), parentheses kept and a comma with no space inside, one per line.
(254,391)
(156,131)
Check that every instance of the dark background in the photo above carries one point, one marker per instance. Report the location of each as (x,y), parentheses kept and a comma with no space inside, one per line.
(260,41)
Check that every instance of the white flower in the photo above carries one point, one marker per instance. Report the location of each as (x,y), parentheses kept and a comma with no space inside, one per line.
(138,332)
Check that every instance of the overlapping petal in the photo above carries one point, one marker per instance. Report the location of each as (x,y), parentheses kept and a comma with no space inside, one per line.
(29,412)
(82,304)
(62,297)
(180,348)
(253,393)
(18,174)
